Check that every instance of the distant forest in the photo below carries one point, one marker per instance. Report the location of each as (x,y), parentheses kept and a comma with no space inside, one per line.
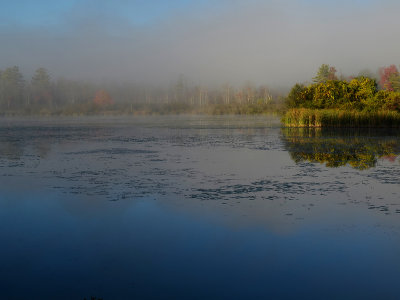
(44,96)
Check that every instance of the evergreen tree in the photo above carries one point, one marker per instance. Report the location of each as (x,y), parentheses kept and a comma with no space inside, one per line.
(325,72)
(12,87)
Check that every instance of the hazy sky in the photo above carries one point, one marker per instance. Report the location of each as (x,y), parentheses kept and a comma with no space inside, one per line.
(274,42)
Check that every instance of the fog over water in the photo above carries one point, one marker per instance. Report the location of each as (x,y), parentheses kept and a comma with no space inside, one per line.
(210,42)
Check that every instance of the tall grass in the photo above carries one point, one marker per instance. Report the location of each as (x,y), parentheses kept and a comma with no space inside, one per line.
(340,118)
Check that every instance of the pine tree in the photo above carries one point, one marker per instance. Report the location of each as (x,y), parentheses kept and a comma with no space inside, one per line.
(325,72)
(12,87)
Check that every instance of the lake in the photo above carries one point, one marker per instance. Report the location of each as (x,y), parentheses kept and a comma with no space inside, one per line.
(197,207)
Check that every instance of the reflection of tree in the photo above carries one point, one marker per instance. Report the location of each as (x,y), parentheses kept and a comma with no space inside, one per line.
(359,149)
(14,150)
(42,148)
(11,150)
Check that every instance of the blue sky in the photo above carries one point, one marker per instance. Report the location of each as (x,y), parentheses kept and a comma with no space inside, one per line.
(53,12)
(30,13)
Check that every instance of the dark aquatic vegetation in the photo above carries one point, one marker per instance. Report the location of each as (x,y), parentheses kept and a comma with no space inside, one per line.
(197,207)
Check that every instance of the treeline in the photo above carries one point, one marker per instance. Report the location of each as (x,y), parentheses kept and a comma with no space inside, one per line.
(361,93)
(43,95)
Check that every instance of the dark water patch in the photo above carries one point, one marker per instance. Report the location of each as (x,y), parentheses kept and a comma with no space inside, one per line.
(112,151)
(290,189)
(390,175)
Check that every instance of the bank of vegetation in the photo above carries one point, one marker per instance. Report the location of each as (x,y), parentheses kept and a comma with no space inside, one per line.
(346,102)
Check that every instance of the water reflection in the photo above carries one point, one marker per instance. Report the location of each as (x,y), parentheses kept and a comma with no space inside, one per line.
(239,166)
(186,208)
(359,148)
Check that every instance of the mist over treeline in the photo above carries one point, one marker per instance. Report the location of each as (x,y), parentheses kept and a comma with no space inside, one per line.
(42,92)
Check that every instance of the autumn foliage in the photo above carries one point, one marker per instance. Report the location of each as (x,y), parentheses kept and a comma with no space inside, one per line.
(102,98)
(387,74)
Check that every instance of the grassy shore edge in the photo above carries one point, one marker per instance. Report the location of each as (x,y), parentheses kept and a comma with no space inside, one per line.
(340,118)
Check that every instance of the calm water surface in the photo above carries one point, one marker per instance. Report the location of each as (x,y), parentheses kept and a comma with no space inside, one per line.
(197,208)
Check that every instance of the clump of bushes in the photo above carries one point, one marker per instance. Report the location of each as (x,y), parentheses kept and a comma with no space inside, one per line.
(359,94)
(357,102)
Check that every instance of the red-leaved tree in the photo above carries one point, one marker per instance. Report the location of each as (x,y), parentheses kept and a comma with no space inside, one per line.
(386,74)
(102,98)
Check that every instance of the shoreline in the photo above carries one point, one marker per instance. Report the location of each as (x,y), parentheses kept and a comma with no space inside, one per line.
(322,118)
